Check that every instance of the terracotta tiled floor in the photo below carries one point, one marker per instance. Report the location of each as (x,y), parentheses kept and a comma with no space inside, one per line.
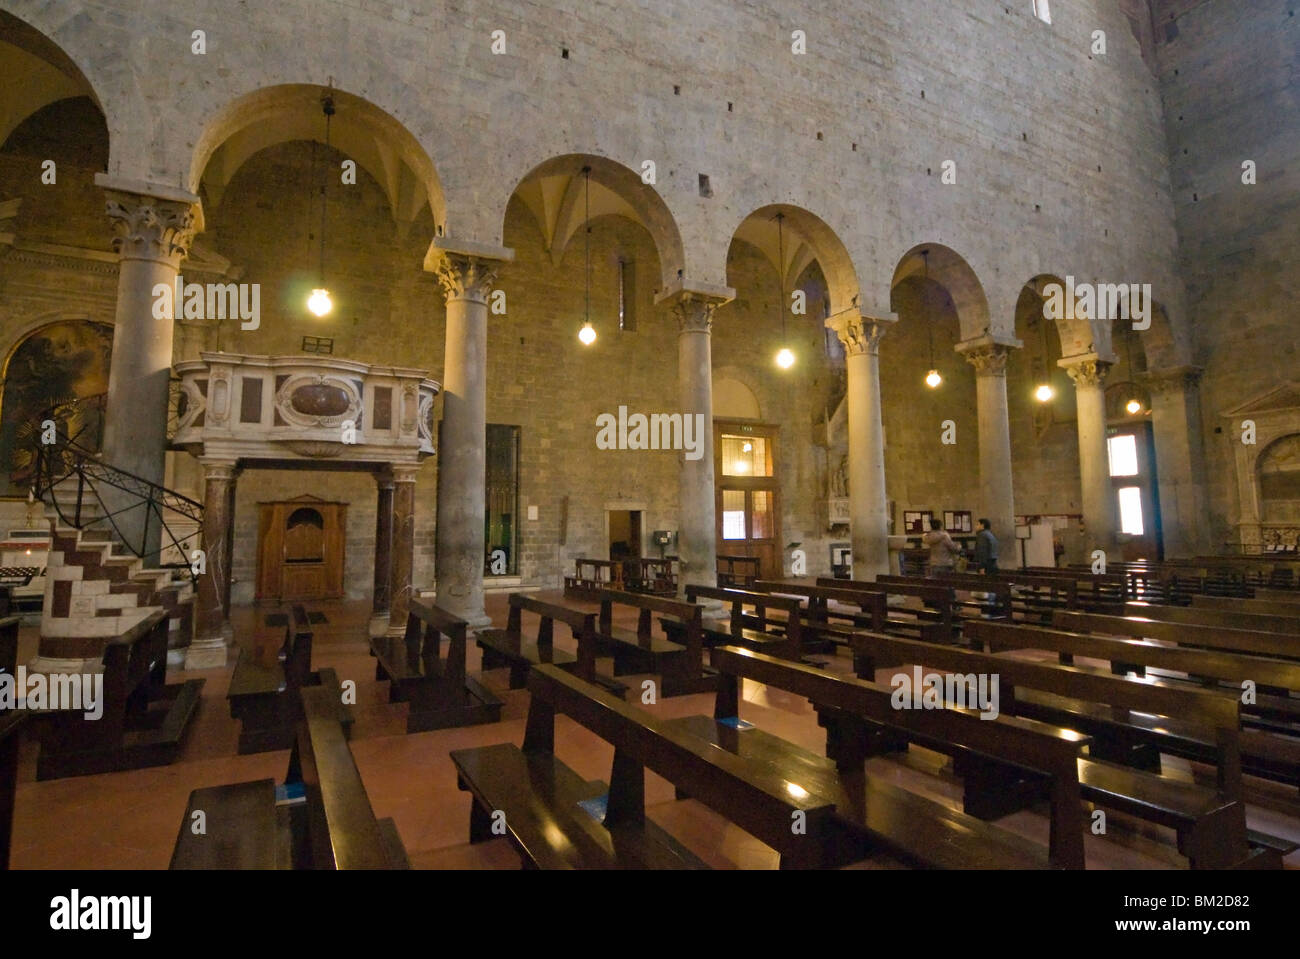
(130,820)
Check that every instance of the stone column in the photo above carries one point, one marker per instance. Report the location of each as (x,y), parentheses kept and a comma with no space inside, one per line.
(401,587)
(697,521)
(868,502)
(154,228)
(467,276)
(1099,508)
(381,604)
(997,500)
(1176,426)
(212,629)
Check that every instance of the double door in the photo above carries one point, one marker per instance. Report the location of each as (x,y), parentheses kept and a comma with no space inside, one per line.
(748,494)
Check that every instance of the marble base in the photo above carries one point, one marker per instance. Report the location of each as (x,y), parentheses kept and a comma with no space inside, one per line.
(212,652)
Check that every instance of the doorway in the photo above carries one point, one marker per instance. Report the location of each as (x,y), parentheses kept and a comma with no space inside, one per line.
(1131,450)
(624,534)
(748,494)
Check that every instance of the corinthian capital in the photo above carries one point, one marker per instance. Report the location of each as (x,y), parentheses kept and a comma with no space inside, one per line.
(1090,372)
(859,334)
(694,304)
(988,353)
(150,228)
(466,277)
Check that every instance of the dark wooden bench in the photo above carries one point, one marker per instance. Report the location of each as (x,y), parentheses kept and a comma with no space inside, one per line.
(320,819)
(507,647)
(738,571)
(780,635)
(834,624)
(908,825)
(1116,711)
(439,693)
(1273,595)
(590,576)
(1252,607)
(1247,641)
(996,603)
(653,576)
(555,820)
(934,622)
(144,718)
(263,692)
(677,654)
(1190,616)
(11,722)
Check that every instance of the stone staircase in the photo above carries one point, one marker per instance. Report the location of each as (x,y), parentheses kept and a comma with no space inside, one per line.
(96,590)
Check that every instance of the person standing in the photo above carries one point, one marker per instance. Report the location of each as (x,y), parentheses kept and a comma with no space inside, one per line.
(986,549)
(943,551)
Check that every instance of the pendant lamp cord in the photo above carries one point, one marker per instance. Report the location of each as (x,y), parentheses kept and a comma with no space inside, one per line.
(780,269)
(586,203)
(328,107)
(925,284)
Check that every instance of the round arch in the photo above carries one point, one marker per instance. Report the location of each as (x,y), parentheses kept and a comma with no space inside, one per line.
(807,239)
(950,270)
(1077,336)
(553,191)
(366,132)
(34,73)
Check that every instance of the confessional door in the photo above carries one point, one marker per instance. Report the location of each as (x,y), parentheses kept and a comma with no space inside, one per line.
(300,550)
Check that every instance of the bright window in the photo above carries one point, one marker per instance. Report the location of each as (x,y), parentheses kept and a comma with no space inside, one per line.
(1042,11)
(733,514)
(745,456)
(1130,511)
(1123,455)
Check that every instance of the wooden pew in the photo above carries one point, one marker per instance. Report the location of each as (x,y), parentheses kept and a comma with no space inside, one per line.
(263,695)
(1245,641)
(737,571)
(507,647)
(144,718)
(1193,616)
(833,624)
(322,819)
(1252,607)
(11,722)
(997,603)
(440,694)
(677,655)
(590,576)
(936,623)
(653,576)
(1210,823)
(1262,754)
(540,795)
(1291,596)
(782,635)
(910,826)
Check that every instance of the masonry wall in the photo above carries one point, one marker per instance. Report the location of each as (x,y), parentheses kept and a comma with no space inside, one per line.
(1229,78)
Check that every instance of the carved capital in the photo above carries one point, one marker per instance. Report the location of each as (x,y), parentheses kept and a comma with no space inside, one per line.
(217,470)
(465,276)
(404,473)
(990,359)
(694,312)
(149,228)
(1089,373)
(859,334)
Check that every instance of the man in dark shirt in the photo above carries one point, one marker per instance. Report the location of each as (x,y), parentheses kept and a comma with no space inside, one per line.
(986,548)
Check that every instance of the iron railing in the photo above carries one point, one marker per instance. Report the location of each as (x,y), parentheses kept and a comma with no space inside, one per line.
(105,494)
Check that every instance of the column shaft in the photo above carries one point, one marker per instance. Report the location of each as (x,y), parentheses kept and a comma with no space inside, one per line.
(1176,429)
(383,592)
(401,587)
(462,462)
(212,629)
(1099,510)
(697,533)
(997,498)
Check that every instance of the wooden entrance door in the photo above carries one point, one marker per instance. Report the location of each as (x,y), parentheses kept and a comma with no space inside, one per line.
(748,494)
(1133,480)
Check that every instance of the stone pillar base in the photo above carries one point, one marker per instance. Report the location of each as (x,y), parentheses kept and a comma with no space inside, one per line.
(211,652)
(378,625)
(64,666)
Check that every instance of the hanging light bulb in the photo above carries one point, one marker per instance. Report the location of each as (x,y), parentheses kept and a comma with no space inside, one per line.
(784,356)
(587,334)
(319,302)
(748,447)
(1134,407)
(933,379)
(1044,393)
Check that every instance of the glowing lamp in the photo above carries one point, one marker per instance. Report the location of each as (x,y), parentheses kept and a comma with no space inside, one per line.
(1134,407)
(933,379)
(319,302)
(785,358)
(1044,393)
(587,334)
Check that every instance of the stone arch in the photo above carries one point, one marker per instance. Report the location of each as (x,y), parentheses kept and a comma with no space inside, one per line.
(365,132)
(948,269)
(733,399)
(1077,336)
(808,239)
(1163,347)
(553,191)
(34,73)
